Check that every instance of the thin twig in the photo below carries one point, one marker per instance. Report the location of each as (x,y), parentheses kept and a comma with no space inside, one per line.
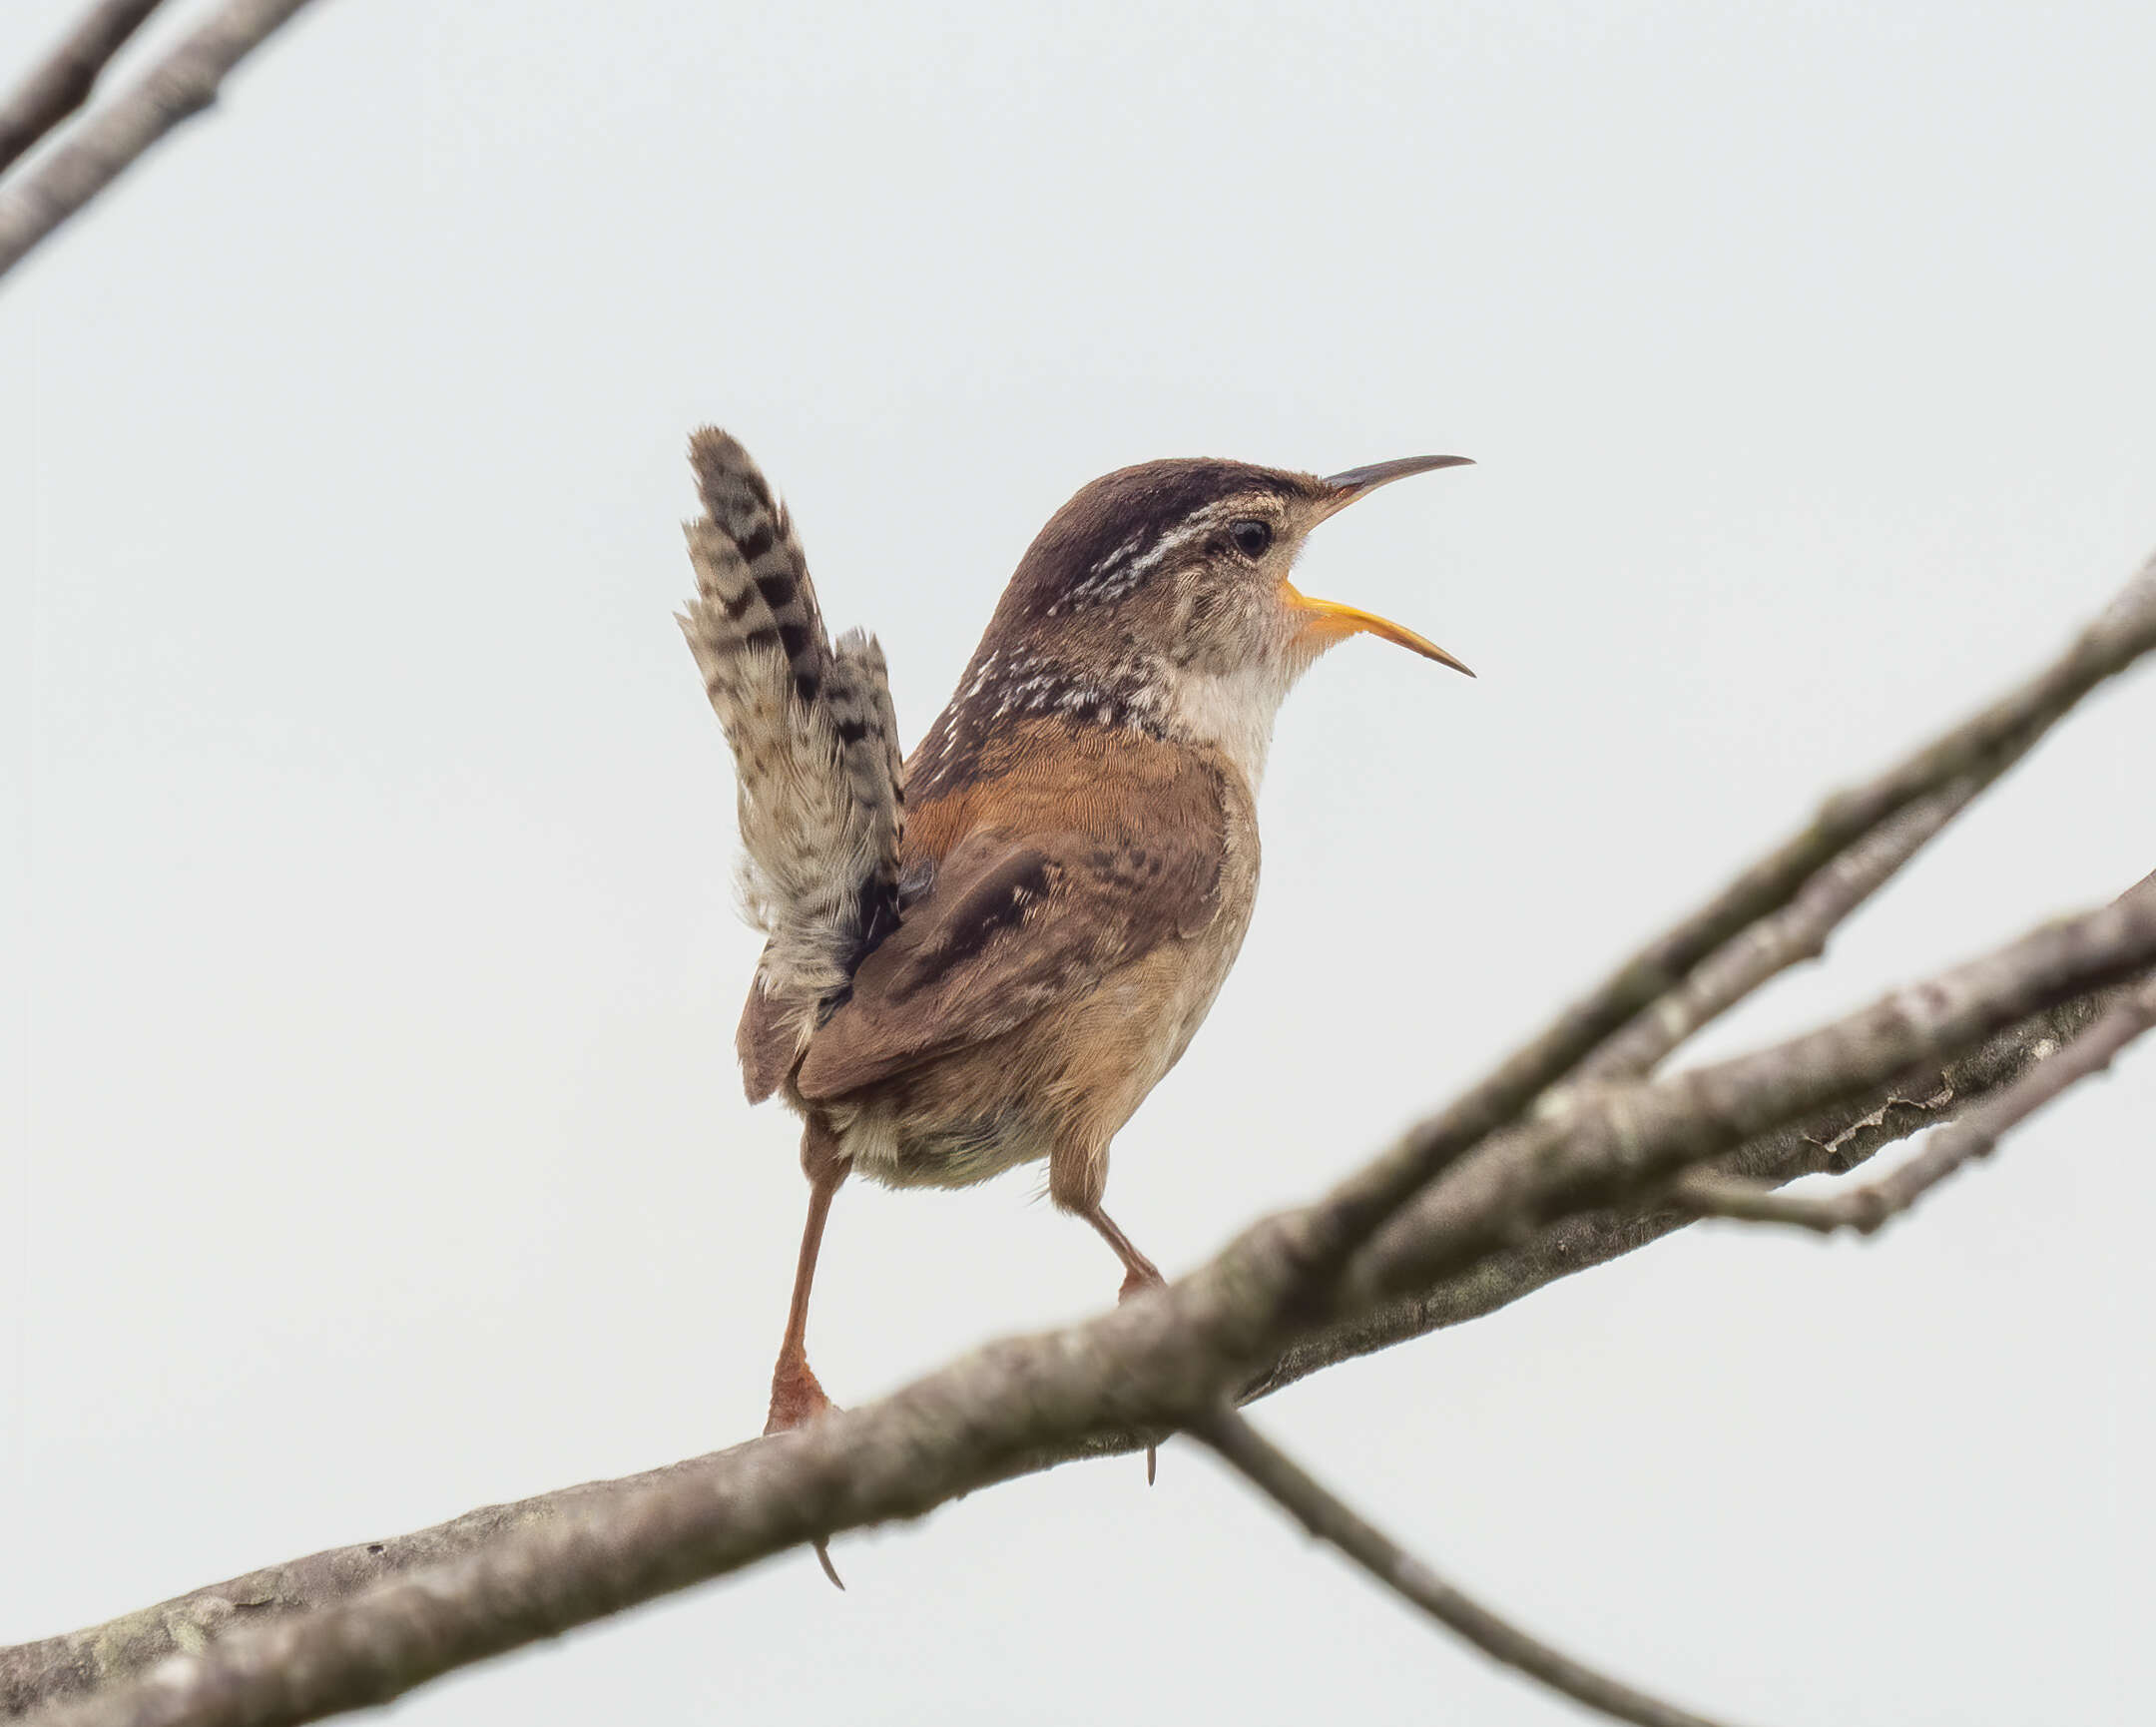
(1799,932)
(177,86)
(1868,1207)
(1796,933)
(62,82)
(1280,1479)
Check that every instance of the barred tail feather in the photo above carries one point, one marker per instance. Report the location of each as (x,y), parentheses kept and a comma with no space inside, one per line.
(815,751)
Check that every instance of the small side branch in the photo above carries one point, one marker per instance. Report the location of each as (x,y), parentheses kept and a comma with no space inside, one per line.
(1790,937)
(1868,1207)
(1610,1145)
(1832,1141)
(1280,1479)
(179,86)
(63,81)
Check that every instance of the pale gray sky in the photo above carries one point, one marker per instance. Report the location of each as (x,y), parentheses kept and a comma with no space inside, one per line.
(381,1151)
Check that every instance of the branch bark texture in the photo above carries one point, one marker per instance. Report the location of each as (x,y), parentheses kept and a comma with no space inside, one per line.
(1868,1207)
(1599,1148)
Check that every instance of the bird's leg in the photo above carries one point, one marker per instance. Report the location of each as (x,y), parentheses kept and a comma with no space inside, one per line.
(1077,1176)
(1138,1273)
(796,1395)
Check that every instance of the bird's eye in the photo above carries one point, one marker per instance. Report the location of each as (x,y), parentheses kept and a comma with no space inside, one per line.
(1251,538)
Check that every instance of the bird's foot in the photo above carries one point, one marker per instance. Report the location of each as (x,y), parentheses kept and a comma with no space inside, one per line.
(796,1399)
(1140,1278)
(1137,1280)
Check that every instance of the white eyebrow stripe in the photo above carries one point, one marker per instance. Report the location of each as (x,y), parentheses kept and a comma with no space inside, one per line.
(1124,570)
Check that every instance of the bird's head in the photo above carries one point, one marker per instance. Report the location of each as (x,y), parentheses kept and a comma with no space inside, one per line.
(1159,598)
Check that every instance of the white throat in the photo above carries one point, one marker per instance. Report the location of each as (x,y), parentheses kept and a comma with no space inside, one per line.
(1233,710)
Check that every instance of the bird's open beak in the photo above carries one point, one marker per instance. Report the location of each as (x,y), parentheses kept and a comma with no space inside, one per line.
(1328,621)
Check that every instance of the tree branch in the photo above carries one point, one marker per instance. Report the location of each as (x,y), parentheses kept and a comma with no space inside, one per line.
(63,81)
(1280,1479)
(1868,1207)
(1164,1360)
(1834,1141)
(1598,1146)
(53,1669)
(521,1571)
(178,87)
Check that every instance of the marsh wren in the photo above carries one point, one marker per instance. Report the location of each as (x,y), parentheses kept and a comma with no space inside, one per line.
(988,956)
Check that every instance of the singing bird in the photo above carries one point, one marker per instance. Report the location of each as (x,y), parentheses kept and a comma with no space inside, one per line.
(988,955)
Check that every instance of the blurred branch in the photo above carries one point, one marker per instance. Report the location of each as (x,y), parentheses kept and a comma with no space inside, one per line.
(1280,1479)
(63,81)
(181,84)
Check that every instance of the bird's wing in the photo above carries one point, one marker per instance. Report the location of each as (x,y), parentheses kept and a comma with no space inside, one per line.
(816,751)
(768,1040)
(1014,923)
